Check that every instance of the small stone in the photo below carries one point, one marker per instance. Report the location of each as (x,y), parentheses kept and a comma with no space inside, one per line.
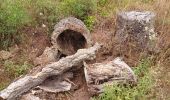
(5,55)
(43,25)
(41,14)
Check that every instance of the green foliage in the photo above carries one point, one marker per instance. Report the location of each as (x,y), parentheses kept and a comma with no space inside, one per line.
(43,11)
(50,11)
(53,10)
(102,2)
(77,8)
(89,22)
(15,70)
(139,92)
(12,16)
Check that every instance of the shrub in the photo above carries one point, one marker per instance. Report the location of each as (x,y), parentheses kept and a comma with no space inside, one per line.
(12,17)
(139,92)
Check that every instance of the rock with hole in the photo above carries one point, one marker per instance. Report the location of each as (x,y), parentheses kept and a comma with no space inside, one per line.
(69,35)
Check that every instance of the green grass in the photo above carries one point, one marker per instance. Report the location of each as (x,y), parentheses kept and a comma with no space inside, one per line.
(89,22)
(140,92)
(12,17)
(15,70)
(12,70)
(77,8)
(3,85)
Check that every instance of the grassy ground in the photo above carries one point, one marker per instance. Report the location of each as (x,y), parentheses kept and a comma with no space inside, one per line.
(19,17)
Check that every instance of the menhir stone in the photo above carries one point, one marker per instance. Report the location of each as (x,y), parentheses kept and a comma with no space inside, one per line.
(134,32)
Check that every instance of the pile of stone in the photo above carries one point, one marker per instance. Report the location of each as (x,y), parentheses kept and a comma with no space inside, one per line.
(72,48)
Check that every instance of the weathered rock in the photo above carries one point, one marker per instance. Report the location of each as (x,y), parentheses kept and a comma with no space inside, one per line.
(134,33)
(5,55)
(50,54)
(56,84)
(30,97)
(69,35)
(106,73)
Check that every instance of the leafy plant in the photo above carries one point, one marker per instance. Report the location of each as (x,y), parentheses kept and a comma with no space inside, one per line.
(89,22)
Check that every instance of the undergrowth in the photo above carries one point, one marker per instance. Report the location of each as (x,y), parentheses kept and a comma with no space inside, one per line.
(12,17)
(51,11)
(140,92)
(14,70)
(14,14)
(3,85)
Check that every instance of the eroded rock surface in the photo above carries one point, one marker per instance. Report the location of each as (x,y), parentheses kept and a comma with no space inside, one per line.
(69,35)
(50,54)
(107,73)
(135,34)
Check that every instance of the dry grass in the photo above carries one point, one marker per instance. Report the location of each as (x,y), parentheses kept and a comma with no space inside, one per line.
(161,8)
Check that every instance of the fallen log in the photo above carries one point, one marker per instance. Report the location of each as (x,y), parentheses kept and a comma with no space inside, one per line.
(108,73)
(29,81)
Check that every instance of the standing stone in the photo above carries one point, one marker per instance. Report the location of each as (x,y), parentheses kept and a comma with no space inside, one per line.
(108,73)
(135,32)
